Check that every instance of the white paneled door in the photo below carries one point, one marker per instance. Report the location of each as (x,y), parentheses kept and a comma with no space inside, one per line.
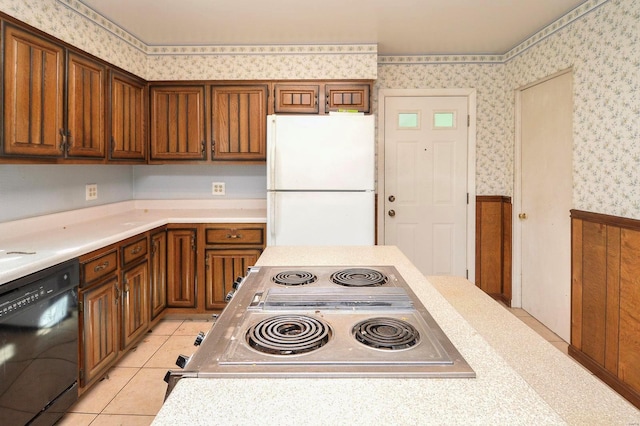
(425,194)
(546,135)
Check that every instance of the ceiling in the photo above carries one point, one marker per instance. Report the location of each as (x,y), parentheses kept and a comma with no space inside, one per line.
(398,27)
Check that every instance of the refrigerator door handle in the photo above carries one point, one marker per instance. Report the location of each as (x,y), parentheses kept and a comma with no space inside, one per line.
(271,152)
(271,225)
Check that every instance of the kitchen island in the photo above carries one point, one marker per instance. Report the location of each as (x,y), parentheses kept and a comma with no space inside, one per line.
(521,378)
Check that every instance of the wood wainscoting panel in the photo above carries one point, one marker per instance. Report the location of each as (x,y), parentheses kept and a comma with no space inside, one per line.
(605,299)
(493,246)
(629,314)
(594,290)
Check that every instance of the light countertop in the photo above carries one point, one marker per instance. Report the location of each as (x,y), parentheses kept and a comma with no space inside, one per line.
(521,378)
(29,245)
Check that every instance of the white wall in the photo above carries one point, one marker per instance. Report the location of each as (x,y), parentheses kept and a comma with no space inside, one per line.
(194,181)
(32,190)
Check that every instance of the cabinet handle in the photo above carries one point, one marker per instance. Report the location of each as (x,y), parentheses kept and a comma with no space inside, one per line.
(234,236)
(102,266)
(117,293)
(136,250)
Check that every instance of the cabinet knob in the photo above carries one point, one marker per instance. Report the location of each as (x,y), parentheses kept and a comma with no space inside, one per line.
(392,198)
(522,216)
(392,213)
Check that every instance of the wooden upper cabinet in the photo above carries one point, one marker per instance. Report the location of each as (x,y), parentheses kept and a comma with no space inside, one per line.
(127,109)
(296,98)
(85,134)
(239,122)
(351,96)
(177,123)
(33,94)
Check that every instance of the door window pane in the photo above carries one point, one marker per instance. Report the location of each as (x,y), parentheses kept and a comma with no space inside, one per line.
(408,120)
(444,120)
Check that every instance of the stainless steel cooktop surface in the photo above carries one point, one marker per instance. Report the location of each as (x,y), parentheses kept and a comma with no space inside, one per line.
(326,321)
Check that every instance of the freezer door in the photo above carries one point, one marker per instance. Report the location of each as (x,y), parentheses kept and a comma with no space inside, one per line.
(320,218)
(330,152)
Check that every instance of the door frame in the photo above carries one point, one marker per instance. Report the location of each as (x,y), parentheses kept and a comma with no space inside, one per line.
(516,268)
(470,94)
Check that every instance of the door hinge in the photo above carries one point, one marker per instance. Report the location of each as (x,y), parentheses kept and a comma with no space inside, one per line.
(467,198)
(467,274)
(80,306)
(80,376)
(468,120)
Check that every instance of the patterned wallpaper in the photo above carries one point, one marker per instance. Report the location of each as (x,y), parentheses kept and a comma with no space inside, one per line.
(602,48)
(492,144)
(265,62)
(76,24)
(91,35)
(599,40)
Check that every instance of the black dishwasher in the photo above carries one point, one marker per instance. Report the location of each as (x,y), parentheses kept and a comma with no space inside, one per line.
(39,345)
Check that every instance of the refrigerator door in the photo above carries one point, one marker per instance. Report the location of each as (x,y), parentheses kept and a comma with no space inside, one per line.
(322,152)
(320,218)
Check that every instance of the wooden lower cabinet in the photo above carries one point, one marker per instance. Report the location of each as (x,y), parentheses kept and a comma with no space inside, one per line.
(181,268)
(135,303)
(99,314)
(222,267)
(605,295)
(158,273)
(126,287)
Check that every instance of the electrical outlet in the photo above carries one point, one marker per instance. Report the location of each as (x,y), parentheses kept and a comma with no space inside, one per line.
(217,188)
(91,191)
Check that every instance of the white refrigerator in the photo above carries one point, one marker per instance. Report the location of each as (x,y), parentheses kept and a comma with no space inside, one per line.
(320,180)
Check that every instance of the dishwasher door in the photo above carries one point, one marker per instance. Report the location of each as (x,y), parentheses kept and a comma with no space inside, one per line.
(39,346)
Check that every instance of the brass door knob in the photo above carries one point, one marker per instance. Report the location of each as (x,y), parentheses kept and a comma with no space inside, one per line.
(522,216)
(392,213)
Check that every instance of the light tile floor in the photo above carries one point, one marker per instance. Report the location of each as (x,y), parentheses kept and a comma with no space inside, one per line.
(133,391)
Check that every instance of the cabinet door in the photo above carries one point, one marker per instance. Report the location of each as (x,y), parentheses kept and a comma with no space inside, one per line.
(222,268)
(239,120)
(85,107)
(177,123)
(33,95)
(181,268)
(297,98)
(135,303)
(355,97)
(99,335)
(158,271)
(128,140)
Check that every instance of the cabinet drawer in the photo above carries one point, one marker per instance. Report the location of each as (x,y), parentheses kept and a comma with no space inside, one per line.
(235,236)
(134,251)
(100,266)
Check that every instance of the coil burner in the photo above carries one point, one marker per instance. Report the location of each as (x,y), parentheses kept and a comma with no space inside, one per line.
(288,335)
(386,333)
(359,277)
(294,278)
